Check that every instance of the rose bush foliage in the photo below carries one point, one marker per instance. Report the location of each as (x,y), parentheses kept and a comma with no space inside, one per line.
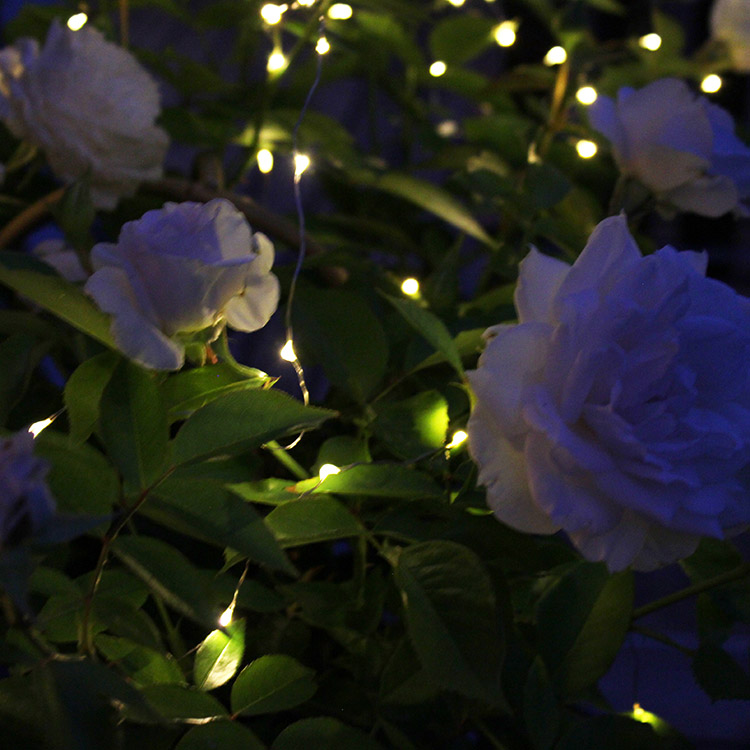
(681,146)
(89,105)
(618,408)
(180,271)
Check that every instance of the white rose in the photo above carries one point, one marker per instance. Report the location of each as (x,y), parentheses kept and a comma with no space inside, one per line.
(679,145)
(25,501)
(180,273)
(618,408)
(730,23)
(89,105)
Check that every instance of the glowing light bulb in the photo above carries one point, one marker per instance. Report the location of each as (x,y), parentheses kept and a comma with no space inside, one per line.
(327,469)
(447,128)
(272,14)
(226,616)
(322,47)
(438,68)
(276,62)
(306,3)
(265,160)
(459,438)
(287,352)
(410,287)
(505,33)
(301,163)
(651,41)
(340,11)
(586,149)
(77,21)
(555,56)
(711,84)
(587,95)
(456,3)
(37,427)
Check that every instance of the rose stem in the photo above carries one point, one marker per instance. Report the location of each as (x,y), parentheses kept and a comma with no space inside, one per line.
(29,217)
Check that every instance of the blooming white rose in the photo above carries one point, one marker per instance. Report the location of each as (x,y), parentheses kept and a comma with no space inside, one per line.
(89,105)
(25,500)
(182,272)
(730,23)
(618,408)
(679,145)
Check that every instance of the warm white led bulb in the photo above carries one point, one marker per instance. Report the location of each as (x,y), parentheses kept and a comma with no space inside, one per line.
(272,13)
(459,438)
(322,47)
(340,11)
(276,62)
(77,21)
(457,3)
(265,160)
(651,41)
(586,149)
(555,56)
(301,163)
(711,84)
(327,469)
(287,352)
(37,427)
(438,68)
(306,3)
(410,287)
(505,33)
(226,616)
(587,95)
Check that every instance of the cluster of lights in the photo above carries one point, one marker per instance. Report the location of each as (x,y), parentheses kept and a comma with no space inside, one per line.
(505,33)
(77,21)
(410,287)
(651,41)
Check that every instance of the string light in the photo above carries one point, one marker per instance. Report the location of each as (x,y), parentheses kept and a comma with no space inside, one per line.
(226,616)
(287,352)
(322,47)
(301,163)
(340,11)
(711,84)
(651,41)
(586,149)
(505,33)
(306,3)
(272,14)
(438,68)
(459,438)
(555,56)
(587,95)
(77,21)
(37,427)
(326,470)
(456,3)
(265,160)
(447,128)
(276,62)
(410,287)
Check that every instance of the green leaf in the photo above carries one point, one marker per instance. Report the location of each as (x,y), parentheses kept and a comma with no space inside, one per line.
(458,39)
(541,712)
(452,618)
(208,511)
(546,185)
(142,665)
(272,683)
(719,674)
(219,656)
(431,328)
(19,354)
(188,390)
(380,480)
(75,213)
(430,197)
(413,426)
(83,393)
(581,623)
(238,422)
(612,733)
(169,574)
(311,519)
(323,732)
(40,284)
(339,330)
(134,425)
(181,703)
(220,735)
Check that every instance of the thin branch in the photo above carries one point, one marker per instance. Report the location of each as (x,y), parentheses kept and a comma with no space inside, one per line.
(29,217)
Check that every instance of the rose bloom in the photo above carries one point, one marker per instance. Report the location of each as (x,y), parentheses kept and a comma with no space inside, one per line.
(89,105)
(25,501)
(679,145)
(730,23)
(180,273)
(618,408)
